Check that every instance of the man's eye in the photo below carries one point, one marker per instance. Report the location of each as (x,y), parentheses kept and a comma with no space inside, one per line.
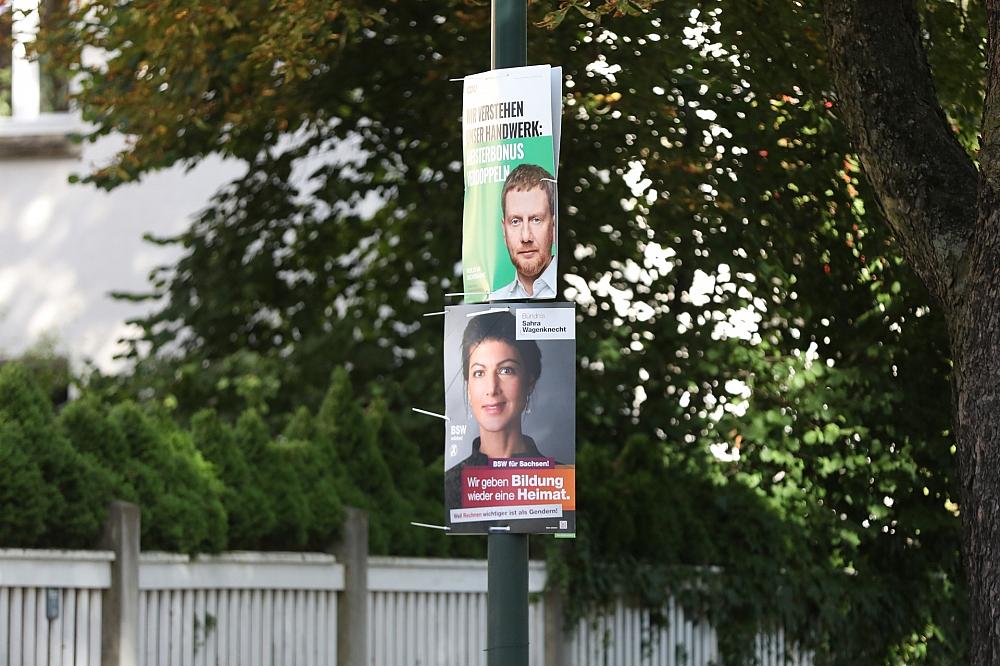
(515,221)
(536,220)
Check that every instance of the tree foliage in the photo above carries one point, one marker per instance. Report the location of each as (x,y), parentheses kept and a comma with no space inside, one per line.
(763,382)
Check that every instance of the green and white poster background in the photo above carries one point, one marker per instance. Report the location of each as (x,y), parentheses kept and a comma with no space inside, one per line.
(509,117)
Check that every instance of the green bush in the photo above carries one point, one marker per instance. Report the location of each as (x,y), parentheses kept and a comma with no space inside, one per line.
(86,425)
(418,489)
(249,509)
(343,435)
(25,497)
(177,489)
(76,487)
(321,477)
(211,483)
(282,466)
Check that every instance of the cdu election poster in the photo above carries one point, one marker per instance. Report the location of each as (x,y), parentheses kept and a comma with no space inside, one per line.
(510,143)
(510,395)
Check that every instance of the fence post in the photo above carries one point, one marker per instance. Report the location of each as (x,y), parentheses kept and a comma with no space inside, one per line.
(120,607)
(556,635)
(352,610)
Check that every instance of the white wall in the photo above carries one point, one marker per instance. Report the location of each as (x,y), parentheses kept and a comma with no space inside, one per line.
(64,247)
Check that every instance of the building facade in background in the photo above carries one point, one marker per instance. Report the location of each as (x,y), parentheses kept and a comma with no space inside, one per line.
(65,247)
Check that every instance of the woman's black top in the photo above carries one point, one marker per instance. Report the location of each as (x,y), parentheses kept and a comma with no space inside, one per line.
(453,477)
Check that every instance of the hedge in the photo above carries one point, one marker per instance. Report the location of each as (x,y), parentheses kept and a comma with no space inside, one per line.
(210,483)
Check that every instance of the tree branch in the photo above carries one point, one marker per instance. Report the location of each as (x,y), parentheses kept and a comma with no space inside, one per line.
(926,183)
(990,141)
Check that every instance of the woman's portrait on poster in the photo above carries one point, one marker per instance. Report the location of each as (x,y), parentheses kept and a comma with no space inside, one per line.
(501,374)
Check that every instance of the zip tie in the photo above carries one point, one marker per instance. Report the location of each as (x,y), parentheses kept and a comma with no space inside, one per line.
(434,314)
(433,527)
(490,311)
(466,293)
(502,528)
(424,411)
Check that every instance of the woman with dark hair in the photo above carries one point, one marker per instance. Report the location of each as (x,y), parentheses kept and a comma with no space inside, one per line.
(500,374)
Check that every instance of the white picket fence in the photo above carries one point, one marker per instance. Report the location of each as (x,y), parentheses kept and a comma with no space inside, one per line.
(238,609)
(424,612)
(628,636)
(280,609)
(50,607)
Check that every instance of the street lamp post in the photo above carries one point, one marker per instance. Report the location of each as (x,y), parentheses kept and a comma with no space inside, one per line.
(508,34)
(507,576)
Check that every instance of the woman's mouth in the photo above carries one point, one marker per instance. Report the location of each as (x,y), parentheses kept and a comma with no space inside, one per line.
(494,408)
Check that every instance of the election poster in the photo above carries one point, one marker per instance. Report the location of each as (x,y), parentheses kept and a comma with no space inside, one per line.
(510,144)
(510,438)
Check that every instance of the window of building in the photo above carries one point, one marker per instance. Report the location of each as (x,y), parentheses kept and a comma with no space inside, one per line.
(6,58)
(35,115)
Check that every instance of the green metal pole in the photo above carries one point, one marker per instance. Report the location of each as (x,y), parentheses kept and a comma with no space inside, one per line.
(509,34)
(507,600)
(507,576)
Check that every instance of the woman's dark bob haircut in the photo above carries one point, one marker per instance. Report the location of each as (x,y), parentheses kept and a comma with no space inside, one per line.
(500,326)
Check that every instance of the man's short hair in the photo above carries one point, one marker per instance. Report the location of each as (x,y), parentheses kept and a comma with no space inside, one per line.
(525,177)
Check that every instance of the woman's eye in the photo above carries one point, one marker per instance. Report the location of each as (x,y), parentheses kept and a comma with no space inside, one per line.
(477,373)
(507,371)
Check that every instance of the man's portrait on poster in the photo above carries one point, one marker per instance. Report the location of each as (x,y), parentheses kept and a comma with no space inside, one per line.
(528,209)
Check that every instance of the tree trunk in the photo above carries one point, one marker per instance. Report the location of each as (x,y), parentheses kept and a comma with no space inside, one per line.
(946,219)
(975,334)
(924,180)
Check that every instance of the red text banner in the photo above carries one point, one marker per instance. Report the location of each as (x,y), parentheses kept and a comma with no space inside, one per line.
(488,487)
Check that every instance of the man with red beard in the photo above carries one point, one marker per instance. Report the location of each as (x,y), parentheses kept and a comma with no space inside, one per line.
(529,226)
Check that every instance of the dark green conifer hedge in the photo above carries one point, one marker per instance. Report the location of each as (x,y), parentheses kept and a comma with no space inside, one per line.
(211,483)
